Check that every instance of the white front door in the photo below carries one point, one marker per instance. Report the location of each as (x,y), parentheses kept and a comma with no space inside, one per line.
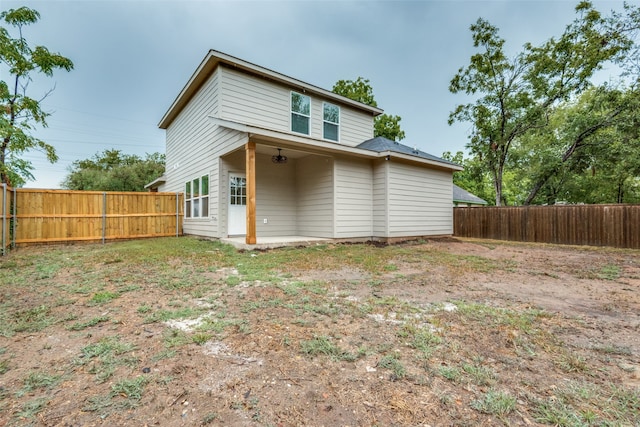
(237,204)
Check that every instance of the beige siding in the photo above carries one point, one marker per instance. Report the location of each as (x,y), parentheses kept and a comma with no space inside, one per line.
(419,201)
(355,126)
(259,102)
(189,153)
(353,198)
(380,196)
(247,99)
(275,197)
(314,180)
(193,145)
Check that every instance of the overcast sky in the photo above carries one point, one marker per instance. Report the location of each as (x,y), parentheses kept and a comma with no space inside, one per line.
(133,57)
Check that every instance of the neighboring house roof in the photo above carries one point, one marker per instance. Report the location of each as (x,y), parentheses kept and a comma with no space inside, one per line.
(157,182)
(214,58)
(461,195)
(380,144)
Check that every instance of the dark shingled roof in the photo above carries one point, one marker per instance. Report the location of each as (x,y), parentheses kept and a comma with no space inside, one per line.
(380,143)
(463,196)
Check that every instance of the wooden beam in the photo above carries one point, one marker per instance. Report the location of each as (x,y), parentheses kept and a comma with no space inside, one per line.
(250,155)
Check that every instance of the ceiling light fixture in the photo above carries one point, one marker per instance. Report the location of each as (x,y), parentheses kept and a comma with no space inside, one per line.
(279,158)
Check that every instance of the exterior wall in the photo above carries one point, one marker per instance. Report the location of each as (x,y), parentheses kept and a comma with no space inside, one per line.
(380,198)
(314,182)
(188,151)
(259,102)
(275,197)
(353,189)
(419,201)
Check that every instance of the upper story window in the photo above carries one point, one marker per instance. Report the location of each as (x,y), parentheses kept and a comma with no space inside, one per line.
(196,198)
(300,112)
(331,121)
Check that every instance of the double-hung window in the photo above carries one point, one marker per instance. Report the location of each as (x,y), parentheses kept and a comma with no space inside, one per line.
(330,121)
(300,113)
(196,197)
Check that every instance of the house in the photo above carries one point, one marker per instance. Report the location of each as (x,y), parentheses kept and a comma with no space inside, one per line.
(263,155)
(462,198)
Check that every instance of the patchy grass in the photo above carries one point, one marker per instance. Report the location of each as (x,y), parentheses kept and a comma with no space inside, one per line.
(183,331)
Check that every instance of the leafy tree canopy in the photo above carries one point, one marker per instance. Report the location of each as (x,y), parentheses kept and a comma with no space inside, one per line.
(515,96)
(19,113)
(360,90)
(112,170)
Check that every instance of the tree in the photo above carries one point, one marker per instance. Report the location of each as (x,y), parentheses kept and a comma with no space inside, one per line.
(20,113)
(517,95)
(360,90)
(473,178)
(113,171)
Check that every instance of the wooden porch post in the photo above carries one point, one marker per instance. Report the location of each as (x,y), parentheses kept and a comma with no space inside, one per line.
(250,155)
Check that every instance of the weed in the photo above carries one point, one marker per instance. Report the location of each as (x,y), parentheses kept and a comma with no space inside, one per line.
(480,375)
(164,315)
(322,345)
(209,418)
(392,363)
(450,372)
(130,388)
(109,351)
(78,326)
(557,413)
(175,338)
(201,338)
(32,320)
(495,403)
(572,362)
(609,272)
(164,354)
(103,297)
(39,380)
(145,308)
(4,366)
(32,408)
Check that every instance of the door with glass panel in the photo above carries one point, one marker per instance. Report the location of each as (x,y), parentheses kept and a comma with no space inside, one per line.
(237,204)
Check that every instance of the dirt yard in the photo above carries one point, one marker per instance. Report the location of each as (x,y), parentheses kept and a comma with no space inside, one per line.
(181,332)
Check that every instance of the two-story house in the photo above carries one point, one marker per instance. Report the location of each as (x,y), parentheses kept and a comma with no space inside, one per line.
(260,154)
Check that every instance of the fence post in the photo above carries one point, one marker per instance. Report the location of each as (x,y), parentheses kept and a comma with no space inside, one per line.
(14,218)
(4,218)
(177,214)
(104,216)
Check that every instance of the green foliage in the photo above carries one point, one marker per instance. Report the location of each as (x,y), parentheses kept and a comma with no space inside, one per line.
(20,113)
(474,178)
(360,90)
(515,97)
(112,170)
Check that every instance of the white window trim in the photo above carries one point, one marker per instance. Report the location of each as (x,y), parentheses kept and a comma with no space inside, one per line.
(300,114)
(199,198)
(326,121)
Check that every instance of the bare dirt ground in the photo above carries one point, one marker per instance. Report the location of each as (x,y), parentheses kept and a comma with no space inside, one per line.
(438,333)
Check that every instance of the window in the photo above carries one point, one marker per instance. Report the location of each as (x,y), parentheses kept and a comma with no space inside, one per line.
(300,112)
(331,121)
(238,190)
(196,197)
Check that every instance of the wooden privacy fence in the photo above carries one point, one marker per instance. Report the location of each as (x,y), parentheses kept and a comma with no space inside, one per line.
(596,225)
(48,216)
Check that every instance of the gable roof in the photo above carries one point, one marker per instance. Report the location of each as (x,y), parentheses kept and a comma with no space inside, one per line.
(461,195)
(380,144)
(214,58)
